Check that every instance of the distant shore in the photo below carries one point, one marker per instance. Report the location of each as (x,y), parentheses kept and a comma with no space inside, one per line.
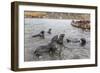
(57,15)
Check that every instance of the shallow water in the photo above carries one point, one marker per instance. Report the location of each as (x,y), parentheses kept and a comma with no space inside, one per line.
(74,50)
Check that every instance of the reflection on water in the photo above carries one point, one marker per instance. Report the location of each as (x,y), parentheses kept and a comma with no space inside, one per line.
(75,51)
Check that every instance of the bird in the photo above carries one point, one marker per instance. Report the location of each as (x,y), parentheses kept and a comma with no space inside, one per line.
(49,31)
(82,41)
(41,34)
